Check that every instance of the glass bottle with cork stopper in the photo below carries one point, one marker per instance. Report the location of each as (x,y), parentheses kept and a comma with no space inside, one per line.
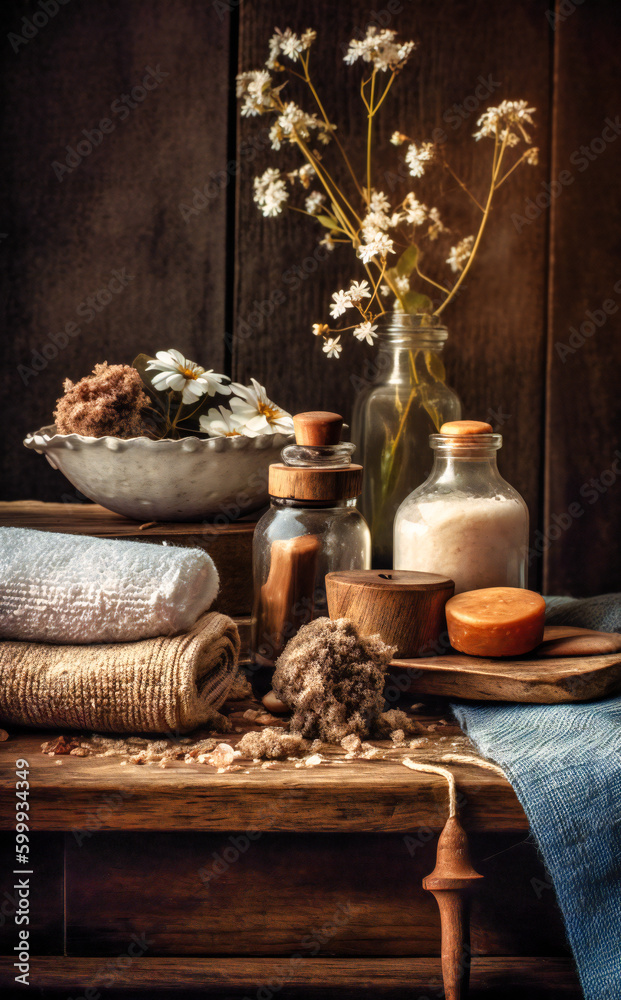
(312,528)
(465,521)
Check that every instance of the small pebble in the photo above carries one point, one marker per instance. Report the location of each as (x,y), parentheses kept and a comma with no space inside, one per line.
(3,735)
(274,704)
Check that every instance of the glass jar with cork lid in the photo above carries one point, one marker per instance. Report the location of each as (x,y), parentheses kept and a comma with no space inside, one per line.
(313,527)
(465,521)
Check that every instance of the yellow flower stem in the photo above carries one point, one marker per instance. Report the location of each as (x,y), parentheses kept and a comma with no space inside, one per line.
(463,186)
(370,135)
(497,161)
(376,286)
(329,184)
(308,80)
(511,169)
(426,277)
(383,97)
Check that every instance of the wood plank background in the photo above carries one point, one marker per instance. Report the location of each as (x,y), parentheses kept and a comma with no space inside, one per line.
(221,283)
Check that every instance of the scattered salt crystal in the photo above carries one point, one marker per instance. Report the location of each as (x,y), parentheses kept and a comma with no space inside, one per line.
(269,764)
(397,736)
(222,756)
(417,743)
(369,754)
(351,743)
(314,760)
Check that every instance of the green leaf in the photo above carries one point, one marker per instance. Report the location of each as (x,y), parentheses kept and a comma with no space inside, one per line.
(435,366)
(407,261)
(327,221)
(416,302)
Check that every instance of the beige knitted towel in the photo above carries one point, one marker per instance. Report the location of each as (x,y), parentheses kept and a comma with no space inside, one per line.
(167,684)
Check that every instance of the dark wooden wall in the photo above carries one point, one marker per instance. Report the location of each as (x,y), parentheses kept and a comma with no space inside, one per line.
(220,282)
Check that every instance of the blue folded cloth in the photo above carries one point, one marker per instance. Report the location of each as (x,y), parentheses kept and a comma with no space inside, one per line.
(564,762)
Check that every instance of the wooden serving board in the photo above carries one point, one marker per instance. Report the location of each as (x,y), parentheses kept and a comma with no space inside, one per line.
(539,677)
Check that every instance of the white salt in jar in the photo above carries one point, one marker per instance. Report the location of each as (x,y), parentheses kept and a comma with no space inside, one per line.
(465,522)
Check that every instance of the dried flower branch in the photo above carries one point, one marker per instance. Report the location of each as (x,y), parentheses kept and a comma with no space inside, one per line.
(389,240)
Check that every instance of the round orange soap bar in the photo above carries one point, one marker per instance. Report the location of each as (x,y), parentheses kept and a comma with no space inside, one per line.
(458,428)
(497,621)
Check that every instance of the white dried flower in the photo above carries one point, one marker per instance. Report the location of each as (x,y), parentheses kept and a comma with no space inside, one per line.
(306,173)
(532,156)
(417,156)
(458,255)
(320,329)
(437,226)
(327,242)
(398,138)
(314,202)
(342,301)
(415,211)
(380,48)
(378,202)
(501,120)
(402,284)
(333,347)
(380,246)
(290,44)
(255,87)
(270,192)
(366,331)
(359,290)
(295,123)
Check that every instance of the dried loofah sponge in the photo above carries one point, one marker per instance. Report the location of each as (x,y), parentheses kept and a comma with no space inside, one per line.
(333,679)
(274,744)
(111,401)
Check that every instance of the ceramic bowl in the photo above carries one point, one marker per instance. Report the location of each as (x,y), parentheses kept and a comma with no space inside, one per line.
(186,480)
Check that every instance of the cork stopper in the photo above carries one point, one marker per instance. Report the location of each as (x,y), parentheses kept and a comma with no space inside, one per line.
(318,427)
(459,428)
(322,483)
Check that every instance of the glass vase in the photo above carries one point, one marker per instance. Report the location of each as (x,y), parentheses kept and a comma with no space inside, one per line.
(403,400)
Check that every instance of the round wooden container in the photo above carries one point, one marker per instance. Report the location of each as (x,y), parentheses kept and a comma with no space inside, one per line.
(406,609)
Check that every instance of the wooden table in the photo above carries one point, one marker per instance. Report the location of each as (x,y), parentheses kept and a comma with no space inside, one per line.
(261,882)
(221,878)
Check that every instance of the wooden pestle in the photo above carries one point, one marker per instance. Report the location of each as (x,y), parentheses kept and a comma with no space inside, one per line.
(286,599)
(450,882)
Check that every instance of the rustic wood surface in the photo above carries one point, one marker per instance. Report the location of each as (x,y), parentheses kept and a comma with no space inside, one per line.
(355,795)
(582,509)
(229,545)
(118,209)
(275,888)
(405,609)
(347,979)
(543,681)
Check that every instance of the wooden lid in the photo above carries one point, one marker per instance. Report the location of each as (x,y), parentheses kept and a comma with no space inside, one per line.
(315,485)
(459,428)
(393,579)
(318,427)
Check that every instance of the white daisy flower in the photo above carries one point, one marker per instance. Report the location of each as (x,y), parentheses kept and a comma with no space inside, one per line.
(366,331)
(221,422)
(342,301)
(258,414)
(333,347)
(186,377)
(379,246)
(458,255)
(417,156)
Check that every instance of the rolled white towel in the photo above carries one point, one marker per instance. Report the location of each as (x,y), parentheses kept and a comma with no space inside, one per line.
(77,589)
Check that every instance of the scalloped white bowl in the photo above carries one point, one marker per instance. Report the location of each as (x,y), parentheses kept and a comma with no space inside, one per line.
(187,480)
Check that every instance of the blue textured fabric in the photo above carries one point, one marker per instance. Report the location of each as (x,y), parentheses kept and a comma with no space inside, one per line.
(564,762)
